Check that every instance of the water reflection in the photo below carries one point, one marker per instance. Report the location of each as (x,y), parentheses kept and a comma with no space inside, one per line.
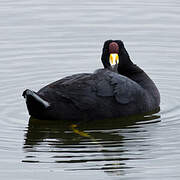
(97,145)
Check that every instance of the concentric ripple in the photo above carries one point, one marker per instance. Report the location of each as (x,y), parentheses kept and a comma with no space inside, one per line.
(41,42)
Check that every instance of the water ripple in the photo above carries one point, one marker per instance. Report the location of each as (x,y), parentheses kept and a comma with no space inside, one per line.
(45,41)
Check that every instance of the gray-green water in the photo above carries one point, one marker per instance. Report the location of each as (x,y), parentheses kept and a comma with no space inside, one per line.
(42,41)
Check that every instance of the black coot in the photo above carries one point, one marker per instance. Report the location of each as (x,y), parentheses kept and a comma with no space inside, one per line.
(120,89)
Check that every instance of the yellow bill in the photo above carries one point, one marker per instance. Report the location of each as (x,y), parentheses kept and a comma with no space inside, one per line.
(114,59)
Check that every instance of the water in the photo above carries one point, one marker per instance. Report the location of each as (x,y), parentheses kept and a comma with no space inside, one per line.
(41,42)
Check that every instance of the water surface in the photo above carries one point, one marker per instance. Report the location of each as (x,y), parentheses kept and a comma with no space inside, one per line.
(41,42)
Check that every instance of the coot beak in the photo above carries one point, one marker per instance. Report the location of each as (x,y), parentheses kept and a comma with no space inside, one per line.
(114,61)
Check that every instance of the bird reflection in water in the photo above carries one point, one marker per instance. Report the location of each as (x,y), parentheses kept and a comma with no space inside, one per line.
(94,145)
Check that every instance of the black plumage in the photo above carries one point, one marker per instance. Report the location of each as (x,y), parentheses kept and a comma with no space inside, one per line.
(100,95)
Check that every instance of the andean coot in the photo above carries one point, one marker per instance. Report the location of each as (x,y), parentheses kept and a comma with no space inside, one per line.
(120,89)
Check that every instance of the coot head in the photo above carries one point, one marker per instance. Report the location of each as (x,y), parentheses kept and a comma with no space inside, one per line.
(115,57)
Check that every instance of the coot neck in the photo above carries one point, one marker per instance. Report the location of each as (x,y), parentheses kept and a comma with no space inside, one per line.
(136,74)
(130,71)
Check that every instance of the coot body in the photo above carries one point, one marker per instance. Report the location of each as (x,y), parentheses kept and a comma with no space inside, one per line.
(104,94)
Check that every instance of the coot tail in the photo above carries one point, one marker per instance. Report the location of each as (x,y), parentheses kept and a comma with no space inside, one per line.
(36,105)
